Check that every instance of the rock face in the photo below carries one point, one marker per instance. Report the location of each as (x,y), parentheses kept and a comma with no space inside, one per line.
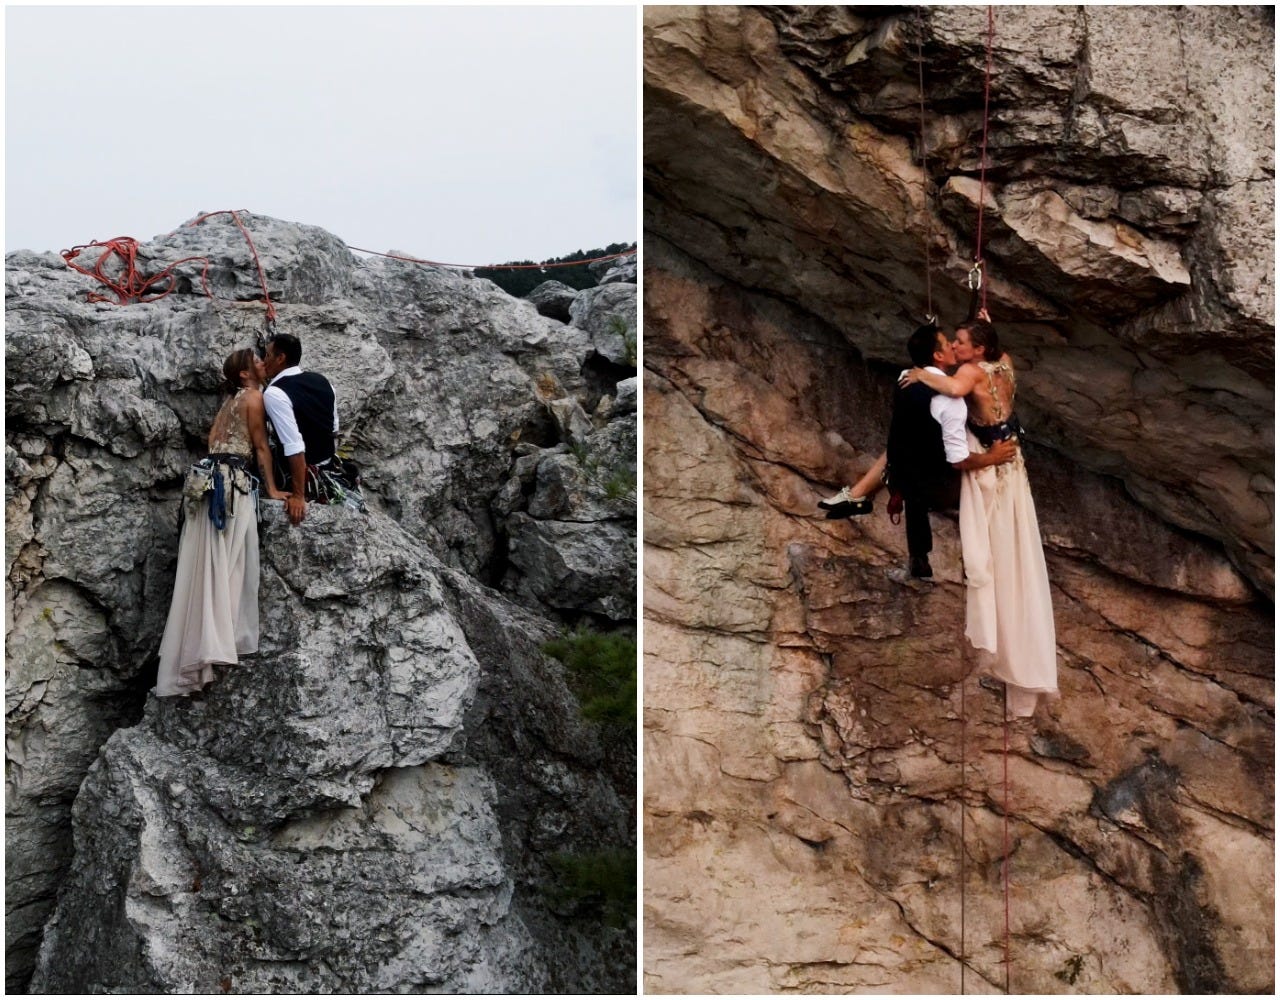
(553,298)
(803,736)
(339,794)
(1127,218)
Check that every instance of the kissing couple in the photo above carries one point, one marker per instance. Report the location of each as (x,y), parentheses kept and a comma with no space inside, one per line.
(213,617)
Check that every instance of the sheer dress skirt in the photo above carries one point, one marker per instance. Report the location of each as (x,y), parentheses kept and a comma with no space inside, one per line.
(213,617)
(1009,613)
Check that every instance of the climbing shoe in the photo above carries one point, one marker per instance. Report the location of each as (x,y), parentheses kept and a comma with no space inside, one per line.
(920,567)
(850,508)
(844,496)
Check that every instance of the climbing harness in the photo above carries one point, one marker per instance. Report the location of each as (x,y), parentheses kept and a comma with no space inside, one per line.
(338,485)
(219,477)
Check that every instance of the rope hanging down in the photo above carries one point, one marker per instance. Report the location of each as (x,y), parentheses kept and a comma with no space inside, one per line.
(964,781)
(978,286)
(1006,839)
(924,173)
(978,263)
(982,187)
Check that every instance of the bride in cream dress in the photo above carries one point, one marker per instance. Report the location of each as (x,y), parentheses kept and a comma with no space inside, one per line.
(213,617)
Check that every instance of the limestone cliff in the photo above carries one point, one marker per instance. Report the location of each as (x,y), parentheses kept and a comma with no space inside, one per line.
(802,707)
(378,799)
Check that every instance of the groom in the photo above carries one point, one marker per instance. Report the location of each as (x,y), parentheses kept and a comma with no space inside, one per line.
(928,448)
(303,410)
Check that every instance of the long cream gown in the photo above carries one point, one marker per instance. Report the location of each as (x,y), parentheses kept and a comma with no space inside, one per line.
(213,617)
(1009,613)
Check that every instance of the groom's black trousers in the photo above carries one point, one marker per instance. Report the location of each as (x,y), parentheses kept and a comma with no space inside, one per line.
(944,495)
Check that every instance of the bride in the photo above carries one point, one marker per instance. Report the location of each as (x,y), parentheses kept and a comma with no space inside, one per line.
(1009,615)
(213,617)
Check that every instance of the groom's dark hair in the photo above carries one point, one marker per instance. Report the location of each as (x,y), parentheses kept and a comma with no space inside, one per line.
(922,344)
(289,346)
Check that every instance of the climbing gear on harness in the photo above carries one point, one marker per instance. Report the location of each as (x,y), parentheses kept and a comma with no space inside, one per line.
(335,482)
(220,477)
(218,499)
(895,506)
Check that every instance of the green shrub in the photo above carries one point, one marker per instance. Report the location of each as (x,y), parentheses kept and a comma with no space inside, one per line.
(601,671)
(601,883)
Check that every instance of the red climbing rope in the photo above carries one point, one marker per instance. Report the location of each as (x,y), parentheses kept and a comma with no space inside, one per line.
(964,725)
(924,171)
(262,278)
(129,286)
(986,122)
(1006,839)
(497,267)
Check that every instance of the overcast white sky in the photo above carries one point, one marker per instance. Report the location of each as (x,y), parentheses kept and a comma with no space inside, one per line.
(467,135)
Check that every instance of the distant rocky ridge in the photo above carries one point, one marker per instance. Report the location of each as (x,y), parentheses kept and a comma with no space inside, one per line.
(802,739)
(377,799)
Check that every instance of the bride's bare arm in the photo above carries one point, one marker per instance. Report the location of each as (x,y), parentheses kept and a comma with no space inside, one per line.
(960,384)
(255,417)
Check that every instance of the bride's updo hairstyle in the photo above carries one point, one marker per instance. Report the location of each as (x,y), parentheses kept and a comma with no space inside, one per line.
(237,362)
(983,334)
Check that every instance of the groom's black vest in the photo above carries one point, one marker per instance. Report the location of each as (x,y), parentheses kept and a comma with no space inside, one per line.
(918,465)
(312,398)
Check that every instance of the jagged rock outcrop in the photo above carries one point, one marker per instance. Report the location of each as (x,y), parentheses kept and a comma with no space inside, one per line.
(354,845)
(570,509)
(607,272)
(553,299)
(802,707)
(380,684)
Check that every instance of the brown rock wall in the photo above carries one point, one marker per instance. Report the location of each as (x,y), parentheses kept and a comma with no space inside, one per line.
(802,708)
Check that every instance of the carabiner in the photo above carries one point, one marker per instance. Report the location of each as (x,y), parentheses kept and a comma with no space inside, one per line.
(975,276)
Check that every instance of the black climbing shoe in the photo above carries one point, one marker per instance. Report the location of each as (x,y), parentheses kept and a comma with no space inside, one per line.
(920,567)
(850,508)
(844,496)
